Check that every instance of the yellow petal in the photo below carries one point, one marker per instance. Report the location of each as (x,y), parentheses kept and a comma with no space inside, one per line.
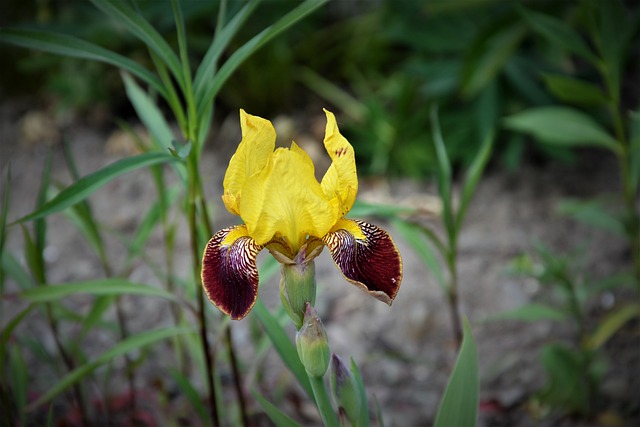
(285,200)
(340,182)
(258,142)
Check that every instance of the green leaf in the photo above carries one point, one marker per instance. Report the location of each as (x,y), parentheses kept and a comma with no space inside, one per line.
(488,58)
(53,292)
(413,234)
(61,44)
(244,52)
(283,345)
(87,185)
(611,324)
(139,27)
(133,342)
(592,213)
(363,420)
(7,330)
(205,72)
(576,91)
(443,174)
(362,209)
(278,417)
(3,222)
(531,313)
(15,270)
(192,395)
(459,405)
(557,33)
(566,387)
(562,126)
(473,176)
(148,112)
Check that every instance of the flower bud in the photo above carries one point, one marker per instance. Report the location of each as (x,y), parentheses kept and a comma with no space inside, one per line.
(312,344)
(297,288)
(344,390)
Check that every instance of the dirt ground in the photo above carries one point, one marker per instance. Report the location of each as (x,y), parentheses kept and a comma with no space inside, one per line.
(405,351)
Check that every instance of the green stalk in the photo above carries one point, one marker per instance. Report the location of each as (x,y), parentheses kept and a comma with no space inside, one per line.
(195,249)
(329,418)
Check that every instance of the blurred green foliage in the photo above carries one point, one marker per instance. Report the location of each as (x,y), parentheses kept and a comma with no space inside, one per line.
(382,63)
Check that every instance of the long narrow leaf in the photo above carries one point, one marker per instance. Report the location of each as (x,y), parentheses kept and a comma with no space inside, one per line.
(205,72)
(283,345)
(3,221)
(561,126)
(141,28)
(473,177)
(443,173)
(87,185)
(53,292)
(459,405)
(191,394)
(61,44)
(123,347)
(240,55)
(7,330)
(278,417)
(148,112)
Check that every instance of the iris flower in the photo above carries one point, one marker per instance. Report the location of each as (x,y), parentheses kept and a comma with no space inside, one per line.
(286,210)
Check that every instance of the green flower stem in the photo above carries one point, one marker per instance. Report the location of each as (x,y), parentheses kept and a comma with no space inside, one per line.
(195,249)
(324,403)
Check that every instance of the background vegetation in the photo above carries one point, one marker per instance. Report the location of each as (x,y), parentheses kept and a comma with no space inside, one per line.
(433,91)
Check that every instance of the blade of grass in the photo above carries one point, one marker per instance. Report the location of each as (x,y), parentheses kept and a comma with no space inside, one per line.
(191,394)
(121,348)
(65,45)
(413,235)
(114,287)
(443,174)
(473,177)
(87,185)
(16,271)
(148,112)
(221,39)
(6,334)
(141,28)
(240,55)
(3,224)
(459,405)
(278,417)
(283,345)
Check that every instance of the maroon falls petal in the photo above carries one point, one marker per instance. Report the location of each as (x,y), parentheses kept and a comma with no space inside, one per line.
(230,273)
(372,264)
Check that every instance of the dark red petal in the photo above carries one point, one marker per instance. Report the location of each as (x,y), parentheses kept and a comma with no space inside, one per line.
(230,273)
(372,264)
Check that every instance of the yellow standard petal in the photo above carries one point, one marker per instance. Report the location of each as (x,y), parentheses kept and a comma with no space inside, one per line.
(285,200)
(340,182)
(252,155)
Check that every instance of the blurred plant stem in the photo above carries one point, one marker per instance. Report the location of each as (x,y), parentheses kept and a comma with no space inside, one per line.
(194,196)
